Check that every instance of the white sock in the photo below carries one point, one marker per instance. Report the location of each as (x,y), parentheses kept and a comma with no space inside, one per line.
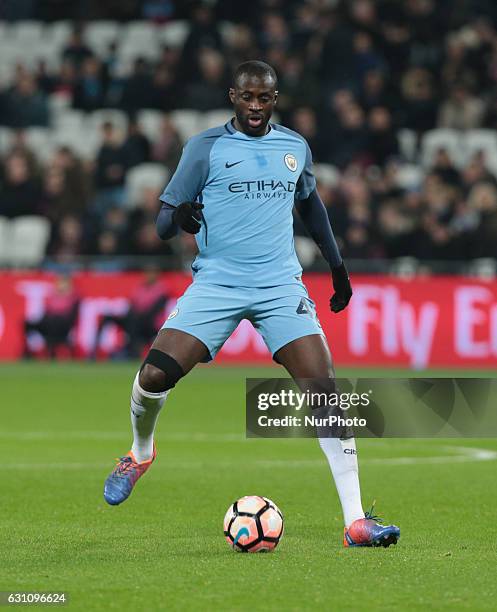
(145,408)
(342,457)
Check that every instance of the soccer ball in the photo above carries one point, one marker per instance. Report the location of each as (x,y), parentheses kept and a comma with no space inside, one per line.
(253,524)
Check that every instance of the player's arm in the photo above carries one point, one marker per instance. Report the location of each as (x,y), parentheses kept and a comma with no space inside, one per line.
(315,218)
(179,208)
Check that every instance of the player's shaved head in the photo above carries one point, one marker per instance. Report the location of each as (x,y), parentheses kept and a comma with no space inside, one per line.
(254,69)
(253,96)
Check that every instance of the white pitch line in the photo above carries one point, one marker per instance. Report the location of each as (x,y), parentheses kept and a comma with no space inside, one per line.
(117,435)
(465,454)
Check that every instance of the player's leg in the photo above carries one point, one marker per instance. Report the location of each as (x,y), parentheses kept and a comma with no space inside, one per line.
(287,320)
(173,354)
(204,318)
(306,359)
(309,358)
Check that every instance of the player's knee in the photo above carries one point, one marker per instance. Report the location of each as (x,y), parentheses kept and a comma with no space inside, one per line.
(152,379)
(159,372)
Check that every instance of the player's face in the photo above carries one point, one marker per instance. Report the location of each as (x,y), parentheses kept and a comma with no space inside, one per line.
(253,99)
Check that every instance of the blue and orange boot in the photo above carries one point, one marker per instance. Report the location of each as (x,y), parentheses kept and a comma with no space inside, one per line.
(368,531)
(121,481)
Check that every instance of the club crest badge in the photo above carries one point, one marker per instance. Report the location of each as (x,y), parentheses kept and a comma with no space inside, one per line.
(291,162)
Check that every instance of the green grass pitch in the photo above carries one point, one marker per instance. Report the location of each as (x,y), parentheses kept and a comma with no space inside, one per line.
(62,425)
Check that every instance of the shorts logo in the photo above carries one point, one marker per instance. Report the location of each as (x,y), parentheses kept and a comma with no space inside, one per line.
(304,307)
(172,314)
(291,162)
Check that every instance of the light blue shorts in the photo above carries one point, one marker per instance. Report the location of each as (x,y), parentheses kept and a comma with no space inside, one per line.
(211,313)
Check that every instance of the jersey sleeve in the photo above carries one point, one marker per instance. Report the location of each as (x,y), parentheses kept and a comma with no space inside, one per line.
(306,182)
(191,174)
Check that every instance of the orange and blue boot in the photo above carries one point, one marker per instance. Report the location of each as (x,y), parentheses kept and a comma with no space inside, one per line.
(121,481)
(368,531)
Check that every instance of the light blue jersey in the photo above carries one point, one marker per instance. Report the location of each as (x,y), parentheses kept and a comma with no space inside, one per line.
(247,185)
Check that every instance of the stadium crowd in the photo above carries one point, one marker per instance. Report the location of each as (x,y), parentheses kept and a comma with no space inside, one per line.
(364,81)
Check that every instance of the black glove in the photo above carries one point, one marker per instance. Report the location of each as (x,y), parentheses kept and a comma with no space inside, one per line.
(341,285)
(188,216)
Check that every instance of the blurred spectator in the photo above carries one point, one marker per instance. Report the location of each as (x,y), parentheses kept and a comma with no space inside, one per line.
(304,121)
(297,87)
(77,178)
(358,243)
(419,101)
(19,190)
(144,241)
(89,93)
(366,58)
(59,318)
(382,142)
(25,104)
(362,14)
(396,40)
(304,28)
(115,227)
(209,91)
(43,76)
(167,148)
(55,199)
(163,90)
(461,111)
(109,171)
(108,253)
(350,75)
(274,33)
(19,145)
(158,10)
(143,318)
(76,50)
(444,167)
(396,231)
(136,147)
(242,45)
(350,142)
(170,58)
(67,240)
(475,172)
(137,87)
(65,187)
(337,44)
(204,34)
(483,200)
(143,236)
(374,91)
(65,81)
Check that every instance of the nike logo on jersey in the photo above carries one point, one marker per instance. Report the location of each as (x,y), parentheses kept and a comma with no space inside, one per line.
(227,165)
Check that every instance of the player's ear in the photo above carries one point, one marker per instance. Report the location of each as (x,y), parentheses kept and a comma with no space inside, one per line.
(275,97)
(231,94)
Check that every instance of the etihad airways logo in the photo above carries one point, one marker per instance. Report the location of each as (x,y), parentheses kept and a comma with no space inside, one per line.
(263,189)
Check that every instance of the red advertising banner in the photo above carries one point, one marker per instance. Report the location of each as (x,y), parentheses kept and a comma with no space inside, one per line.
(418,323)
